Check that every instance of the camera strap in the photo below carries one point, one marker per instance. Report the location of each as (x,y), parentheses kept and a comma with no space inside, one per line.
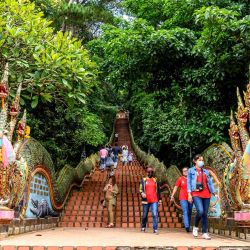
(202,177)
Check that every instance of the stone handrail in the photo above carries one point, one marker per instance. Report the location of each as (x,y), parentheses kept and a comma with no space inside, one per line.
(60,184)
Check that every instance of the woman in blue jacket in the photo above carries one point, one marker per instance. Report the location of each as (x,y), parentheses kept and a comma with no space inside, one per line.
(200,188)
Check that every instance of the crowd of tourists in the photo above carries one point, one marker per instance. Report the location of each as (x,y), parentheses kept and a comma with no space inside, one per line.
(195,184)
(109,156)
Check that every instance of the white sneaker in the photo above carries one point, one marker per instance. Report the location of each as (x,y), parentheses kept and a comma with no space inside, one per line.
(195,231)
(206,236)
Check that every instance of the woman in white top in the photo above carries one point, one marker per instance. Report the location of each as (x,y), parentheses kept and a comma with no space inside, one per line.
(124,155)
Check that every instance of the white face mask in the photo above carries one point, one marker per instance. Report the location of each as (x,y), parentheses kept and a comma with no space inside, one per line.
(200,164)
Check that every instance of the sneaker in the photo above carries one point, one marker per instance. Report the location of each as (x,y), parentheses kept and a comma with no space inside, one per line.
(206,236)
(143,229)
(156,232)
(187,229)
(195,231)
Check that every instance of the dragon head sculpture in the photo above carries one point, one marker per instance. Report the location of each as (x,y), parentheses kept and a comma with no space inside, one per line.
(234,132)
(247,96)
(11,173)
(242,112)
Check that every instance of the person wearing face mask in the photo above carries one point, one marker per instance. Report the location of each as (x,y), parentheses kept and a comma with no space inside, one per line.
(150,193)
(183,197)
(200,188)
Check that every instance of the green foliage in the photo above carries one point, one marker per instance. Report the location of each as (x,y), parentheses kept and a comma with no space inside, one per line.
(176,66)
(60,87)
(91,131)
(152,9)
(50,66)
(224,38)
(82,18)
(65,131)
(150,160)
(133,54)
(170,65)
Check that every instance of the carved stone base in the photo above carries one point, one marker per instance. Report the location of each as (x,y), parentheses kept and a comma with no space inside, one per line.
(242,219)
(18,226)
(240,216)
(6,215)
(230,228)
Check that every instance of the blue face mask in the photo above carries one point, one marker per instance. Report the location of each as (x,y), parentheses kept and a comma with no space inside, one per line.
(200,164)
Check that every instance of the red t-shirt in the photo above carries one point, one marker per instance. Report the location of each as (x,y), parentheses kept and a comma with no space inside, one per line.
(151,192)
(205,193)
(182,183)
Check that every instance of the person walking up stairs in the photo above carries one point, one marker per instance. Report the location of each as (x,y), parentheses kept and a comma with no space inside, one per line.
(84,208)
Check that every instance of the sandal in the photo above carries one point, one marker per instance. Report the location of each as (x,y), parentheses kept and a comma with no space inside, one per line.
(110,226)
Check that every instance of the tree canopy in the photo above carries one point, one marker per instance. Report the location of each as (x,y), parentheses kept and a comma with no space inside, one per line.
(59,81)
(176,65)
(83,18)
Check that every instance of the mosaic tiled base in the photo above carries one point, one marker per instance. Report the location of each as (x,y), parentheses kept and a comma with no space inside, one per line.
(39,189)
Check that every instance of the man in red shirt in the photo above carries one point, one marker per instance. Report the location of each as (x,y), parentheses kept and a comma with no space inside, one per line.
(183,197)
(150,192)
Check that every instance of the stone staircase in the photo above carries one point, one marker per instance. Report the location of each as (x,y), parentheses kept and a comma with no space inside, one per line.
(84,208)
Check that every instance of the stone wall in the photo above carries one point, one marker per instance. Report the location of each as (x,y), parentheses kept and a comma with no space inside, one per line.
(229,228)
(18,226)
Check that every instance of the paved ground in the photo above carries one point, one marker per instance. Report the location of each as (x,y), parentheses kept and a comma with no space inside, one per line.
(115,237)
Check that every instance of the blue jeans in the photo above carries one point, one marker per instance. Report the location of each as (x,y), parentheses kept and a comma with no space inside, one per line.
(115,159)
(154,210)
(187,212)
(201,205)
(103,163)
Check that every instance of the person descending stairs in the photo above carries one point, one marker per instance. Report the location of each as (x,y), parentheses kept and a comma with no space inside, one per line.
(84,207)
